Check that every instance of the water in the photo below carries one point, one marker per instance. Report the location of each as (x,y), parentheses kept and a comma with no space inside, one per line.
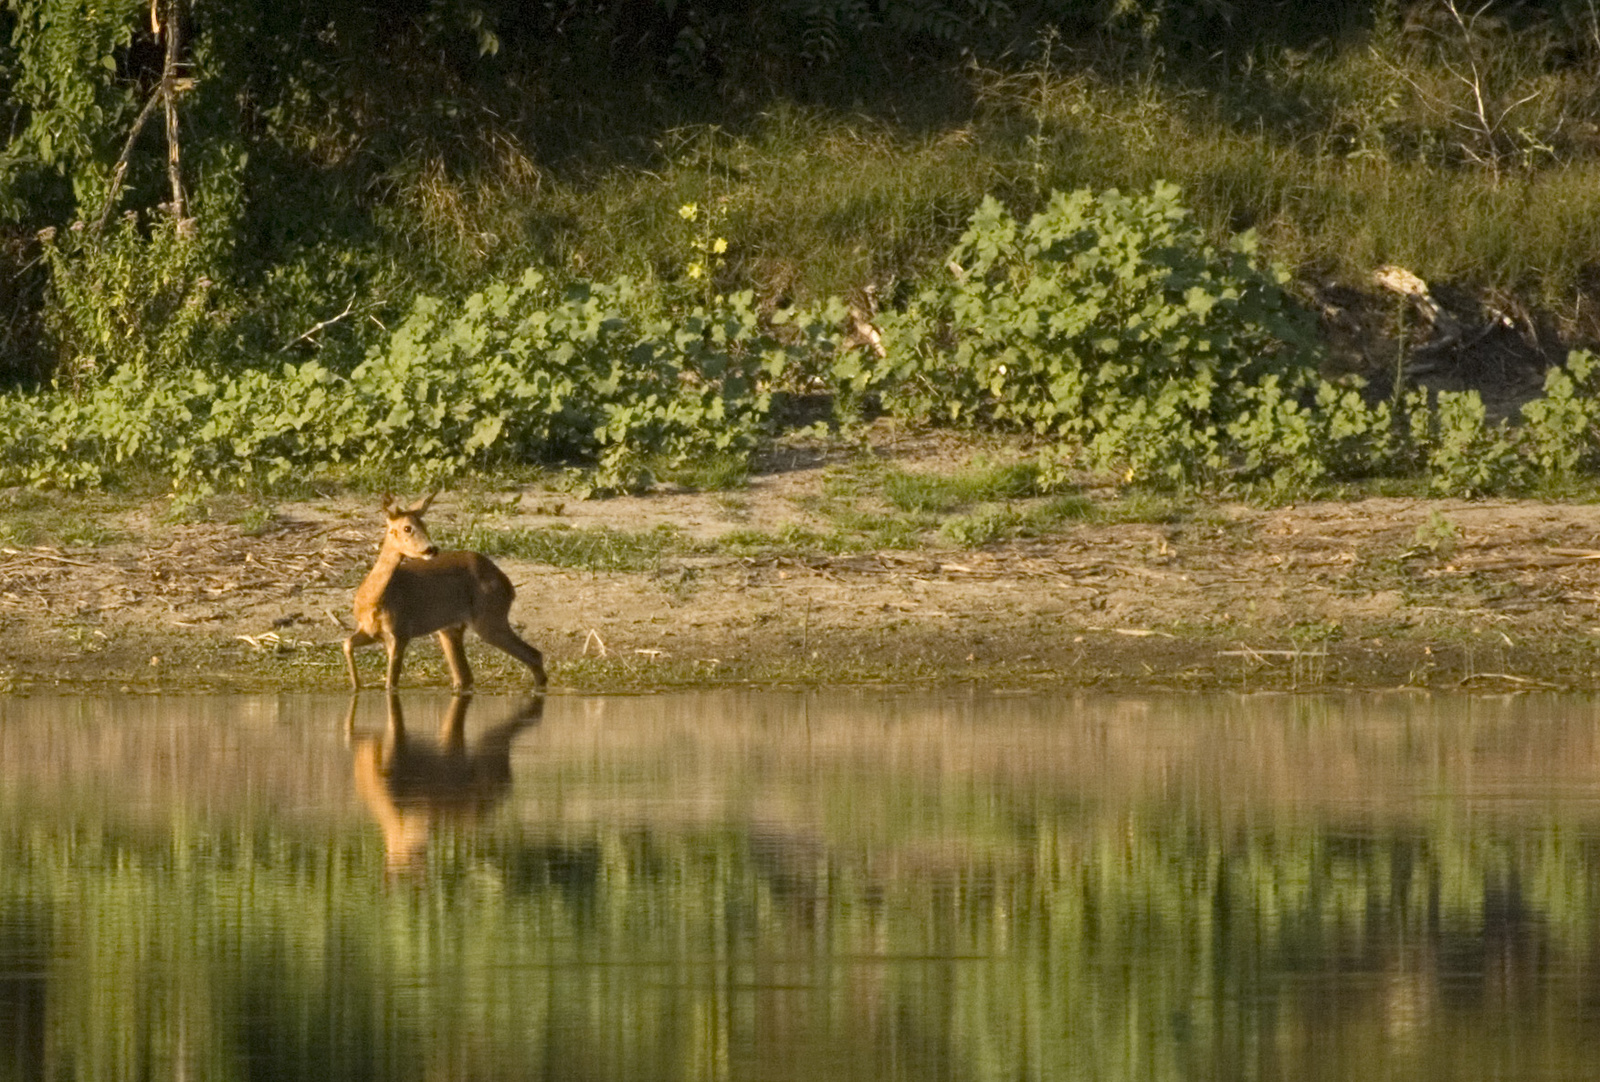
(760,886)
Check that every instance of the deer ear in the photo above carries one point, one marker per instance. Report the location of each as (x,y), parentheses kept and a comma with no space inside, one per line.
(390,511)
(426,500)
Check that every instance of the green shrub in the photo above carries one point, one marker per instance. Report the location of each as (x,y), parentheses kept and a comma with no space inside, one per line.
(1295,441)
(1467,456)
(1107,325)
(1561,428)
(124,297)
(525,376)
(518,373)
(1107,322)
(1111,327)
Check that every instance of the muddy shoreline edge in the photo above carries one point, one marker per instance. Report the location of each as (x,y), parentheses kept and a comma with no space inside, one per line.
(768,586)
(902,658)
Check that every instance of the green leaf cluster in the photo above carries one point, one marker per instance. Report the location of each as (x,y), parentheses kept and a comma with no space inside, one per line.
(1108,326)
(521,372)
(65,91)
(1107,322)
(125,296)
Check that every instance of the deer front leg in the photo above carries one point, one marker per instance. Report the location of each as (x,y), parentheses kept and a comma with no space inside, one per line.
(397,657)
(456,655)
(360,638)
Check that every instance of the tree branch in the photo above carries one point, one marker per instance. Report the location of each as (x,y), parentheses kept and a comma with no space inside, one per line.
(121,168)
(318,327)
(165,19)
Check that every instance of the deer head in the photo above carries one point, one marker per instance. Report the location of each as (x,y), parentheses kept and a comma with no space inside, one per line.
(406,531)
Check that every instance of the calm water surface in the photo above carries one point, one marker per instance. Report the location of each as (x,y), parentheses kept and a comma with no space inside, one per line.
(852,886)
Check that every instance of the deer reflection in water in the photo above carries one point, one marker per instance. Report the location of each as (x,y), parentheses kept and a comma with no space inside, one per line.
(408,785)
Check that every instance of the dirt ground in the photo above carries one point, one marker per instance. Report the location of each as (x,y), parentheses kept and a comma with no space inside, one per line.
(1377,593)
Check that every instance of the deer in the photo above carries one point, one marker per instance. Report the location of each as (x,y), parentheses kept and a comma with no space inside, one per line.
(414,589)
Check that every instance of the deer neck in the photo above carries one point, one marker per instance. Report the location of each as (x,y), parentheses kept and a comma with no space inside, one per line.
(377,580)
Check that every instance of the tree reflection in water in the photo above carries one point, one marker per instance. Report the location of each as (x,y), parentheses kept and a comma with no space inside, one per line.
(781,887)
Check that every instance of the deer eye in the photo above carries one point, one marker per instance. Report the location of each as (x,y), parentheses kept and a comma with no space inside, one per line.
(408,529)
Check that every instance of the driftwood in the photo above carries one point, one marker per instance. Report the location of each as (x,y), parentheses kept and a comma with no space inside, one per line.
(1449,332)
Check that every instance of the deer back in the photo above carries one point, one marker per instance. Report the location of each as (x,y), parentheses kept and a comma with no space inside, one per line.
(452,588)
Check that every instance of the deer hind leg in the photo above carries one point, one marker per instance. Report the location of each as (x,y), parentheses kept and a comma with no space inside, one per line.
(456,656)
(496,631)
(359,639)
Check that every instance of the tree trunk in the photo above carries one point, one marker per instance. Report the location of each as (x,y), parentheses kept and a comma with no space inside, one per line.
(173,30)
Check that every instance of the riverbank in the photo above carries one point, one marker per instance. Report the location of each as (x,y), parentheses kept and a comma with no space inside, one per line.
(815,573)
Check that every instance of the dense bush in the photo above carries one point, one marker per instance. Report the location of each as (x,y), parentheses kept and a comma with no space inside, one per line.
(1107,321)
(1107,327)
(124,297)
(520,373)
(1112,328)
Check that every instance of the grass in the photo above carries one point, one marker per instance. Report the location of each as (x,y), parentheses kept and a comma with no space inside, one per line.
(869,508)
(995,522)
(597,549)
(29,517)
(1320,206)
(790,540)
(1343,161)
(811,203)
(948,492)
(1153,506)
(489,504)
(256,519)
(711,473)
(985,526)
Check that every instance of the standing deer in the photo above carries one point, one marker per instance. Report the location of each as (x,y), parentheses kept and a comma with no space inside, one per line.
(414,589)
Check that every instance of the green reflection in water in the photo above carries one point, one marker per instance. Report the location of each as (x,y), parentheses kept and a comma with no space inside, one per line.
(789,887)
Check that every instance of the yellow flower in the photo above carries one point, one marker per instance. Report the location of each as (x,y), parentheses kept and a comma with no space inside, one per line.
(688,211)
(719,246)
(696,270)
